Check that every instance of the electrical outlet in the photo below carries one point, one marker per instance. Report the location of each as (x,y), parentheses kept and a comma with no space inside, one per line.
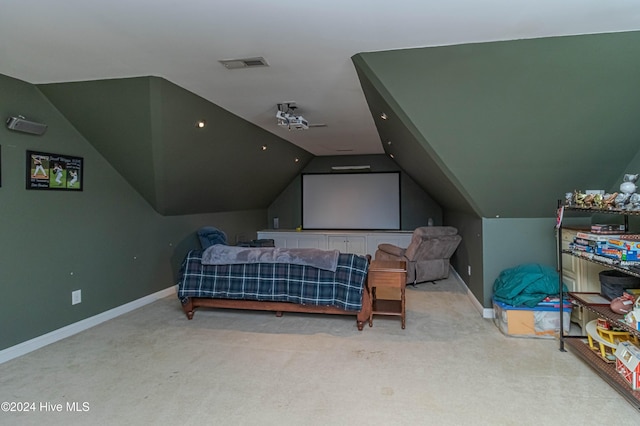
(469,270)
(76,297)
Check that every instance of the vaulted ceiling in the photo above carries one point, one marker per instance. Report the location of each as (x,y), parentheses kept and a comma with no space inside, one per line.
(308,46)
(494,110)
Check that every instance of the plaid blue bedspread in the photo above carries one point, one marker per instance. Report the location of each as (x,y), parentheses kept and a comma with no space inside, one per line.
(276,282)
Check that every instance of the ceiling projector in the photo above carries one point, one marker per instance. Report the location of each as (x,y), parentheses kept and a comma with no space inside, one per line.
(291,121)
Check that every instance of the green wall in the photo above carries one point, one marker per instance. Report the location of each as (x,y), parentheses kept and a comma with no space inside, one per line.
(511,242)
(469,254)
(106,240)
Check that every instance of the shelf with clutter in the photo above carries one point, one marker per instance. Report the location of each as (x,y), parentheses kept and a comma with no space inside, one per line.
(626,200)
(604,337)
(611,322)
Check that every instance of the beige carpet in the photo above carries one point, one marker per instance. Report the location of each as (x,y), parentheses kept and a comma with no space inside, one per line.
(448,367)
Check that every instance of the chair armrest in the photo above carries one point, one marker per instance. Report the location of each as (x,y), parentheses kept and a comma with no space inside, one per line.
(441,247)
(392,250)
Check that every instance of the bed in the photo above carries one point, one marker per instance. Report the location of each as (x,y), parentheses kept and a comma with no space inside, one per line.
(272,279)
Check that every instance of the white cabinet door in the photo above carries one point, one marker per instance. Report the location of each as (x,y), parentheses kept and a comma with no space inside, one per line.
(584,274)
(590,277)
(295,239)
(570,264)
(309,241)
(357,242)
(579,275)
(348,243)
(337,242)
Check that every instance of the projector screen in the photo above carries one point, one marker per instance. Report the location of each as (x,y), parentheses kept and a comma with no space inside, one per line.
(351,201)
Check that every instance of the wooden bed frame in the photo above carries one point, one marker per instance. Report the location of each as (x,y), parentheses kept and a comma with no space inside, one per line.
(362,316)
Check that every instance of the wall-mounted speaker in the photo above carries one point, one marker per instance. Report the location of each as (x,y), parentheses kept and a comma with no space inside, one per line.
(21,124)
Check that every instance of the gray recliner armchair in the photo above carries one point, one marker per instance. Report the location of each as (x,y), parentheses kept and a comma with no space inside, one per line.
(428,253)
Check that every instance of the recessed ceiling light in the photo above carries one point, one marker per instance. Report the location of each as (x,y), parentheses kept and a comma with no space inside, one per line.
(264,147)
(391,155)
(383,116)
(388,142)
(296,160)
(200,124)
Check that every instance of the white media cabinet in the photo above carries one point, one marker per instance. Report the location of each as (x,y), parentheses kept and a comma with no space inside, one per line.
(359,242)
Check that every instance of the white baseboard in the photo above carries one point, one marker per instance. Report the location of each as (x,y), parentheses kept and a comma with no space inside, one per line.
(71,329)
(486,312)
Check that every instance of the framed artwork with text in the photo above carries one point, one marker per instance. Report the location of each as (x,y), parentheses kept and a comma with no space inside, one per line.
(54,171)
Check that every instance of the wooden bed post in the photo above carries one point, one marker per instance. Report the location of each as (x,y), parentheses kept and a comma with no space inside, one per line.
(188,308)
(365,311)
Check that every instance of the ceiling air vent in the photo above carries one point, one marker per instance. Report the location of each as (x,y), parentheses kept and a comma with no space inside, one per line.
(234,64)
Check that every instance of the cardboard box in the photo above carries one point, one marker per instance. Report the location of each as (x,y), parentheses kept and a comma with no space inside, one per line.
(597,237)
(607,229)
(582,247)
(618,253)
(522,321)
(623,244)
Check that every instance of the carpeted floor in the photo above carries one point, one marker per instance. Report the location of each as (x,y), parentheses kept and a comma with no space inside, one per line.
(225,367)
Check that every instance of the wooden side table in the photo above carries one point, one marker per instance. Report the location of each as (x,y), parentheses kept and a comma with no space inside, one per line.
(387,274)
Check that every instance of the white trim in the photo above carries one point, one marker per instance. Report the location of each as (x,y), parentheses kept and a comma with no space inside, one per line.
(486,312)
(71,329)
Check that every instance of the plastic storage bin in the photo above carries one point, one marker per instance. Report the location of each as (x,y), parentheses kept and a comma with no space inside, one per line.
(613,283)
(522,321)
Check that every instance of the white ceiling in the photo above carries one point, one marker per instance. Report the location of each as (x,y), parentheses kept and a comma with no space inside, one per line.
(308,46)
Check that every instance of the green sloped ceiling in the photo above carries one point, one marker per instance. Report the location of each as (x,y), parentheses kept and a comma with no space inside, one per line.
(503,129)
(145,127)
(401,141)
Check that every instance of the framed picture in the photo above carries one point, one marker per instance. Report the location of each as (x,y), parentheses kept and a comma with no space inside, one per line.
(54,171)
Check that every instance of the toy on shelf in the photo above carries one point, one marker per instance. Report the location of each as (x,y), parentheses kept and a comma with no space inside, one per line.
(628,363)
(591,199)
(604,339)
(622,304)
(608,200)
(628,185)
(633,318)
(626,199)
(627,189)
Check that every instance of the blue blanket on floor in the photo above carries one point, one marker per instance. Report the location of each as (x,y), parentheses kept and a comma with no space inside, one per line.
(526,285)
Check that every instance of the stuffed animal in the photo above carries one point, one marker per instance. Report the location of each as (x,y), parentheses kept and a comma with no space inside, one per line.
(623,304)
